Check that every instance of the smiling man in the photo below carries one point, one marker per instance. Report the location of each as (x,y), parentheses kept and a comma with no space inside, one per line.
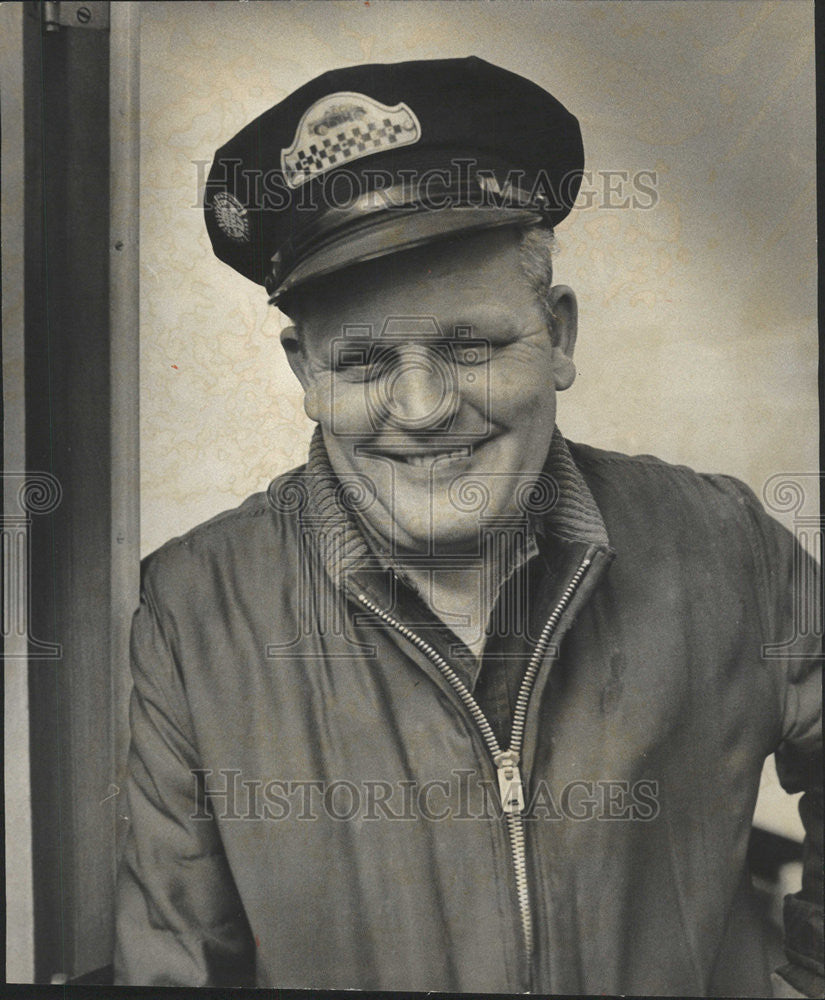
(457,705)
(418,412)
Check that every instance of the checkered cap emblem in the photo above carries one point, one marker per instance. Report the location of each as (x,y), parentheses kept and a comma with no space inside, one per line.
(341,128)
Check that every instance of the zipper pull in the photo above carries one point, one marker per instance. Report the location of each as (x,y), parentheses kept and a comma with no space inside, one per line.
(509,781)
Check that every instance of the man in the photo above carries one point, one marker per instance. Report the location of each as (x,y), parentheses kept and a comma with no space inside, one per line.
(457,705)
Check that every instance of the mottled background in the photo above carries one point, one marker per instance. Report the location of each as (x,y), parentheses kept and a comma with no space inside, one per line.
(697,334)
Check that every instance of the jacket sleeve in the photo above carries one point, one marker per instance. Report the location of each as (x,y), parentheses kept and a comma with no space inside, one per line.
(792,616)
(179,920)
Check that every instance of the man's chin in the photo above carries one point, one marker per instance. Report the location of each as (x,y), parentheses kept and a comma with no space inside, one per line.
(457,533)
(447,519)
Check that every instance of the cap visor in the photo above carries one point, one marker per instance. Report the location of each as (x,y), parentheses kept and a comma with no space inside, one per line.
(395,232)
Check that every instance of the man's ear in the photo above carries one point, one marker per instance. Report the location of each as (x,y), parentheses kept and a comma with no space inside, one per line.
(562,302)
(295,355)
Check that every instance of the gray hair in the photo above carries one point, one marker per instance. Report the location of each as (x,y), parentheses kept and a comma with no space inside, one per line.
(537,247)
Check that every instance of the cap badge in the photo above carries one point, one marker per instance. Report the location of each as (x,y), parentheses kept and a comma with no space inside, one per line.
(343,127)
(231,216)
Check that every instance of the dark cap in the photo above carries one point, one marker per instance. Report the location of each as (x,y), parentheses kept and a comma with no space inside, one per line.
(369,160)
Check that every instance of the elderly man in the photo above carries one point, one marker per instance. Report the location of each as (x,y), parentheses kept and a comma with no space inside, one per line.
(457,705)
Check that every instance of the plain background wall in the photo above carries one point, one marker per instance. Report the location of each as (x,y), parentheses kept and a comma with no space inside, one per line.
(697,333)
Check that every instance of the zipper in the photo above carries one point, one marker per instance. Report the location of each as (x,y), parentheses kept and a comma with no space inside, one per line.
(511,789)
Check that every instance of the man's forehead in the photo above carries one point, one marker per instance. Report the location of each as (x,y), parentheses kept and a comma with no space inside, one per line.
(461,323)
(453,277)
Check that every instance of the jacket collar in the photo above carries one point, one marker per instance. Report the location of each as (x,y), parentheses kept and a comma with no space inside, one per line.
(566,509)
(573,515)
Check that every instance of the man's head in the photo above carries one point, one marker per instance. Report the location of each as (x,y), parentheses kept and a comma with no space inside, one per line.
(402,215)
(433,373)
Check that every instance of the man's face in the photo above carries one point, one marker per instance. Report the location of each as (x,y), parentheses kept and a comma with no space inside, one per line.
(433,374)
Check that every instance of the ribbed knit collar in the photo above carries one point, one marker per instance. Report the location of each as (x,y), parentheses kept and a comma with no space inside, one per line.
(572,515)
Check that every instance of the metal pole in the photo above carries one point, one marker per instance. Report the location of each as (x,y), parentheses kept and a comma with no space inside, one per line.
(16,761)
(125,358)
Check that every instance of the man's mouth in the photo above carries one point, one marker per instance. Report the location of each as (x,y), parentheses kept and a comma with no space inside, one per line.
(427,454)
(430,458)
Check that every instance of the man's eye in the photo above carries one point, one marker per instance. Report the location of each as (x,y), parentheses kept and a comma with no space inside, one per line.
(355,373)
(473,354)
(355,364)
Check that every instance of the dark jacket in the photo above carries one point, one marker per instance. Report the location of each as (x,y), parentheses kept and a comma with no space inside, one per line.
(353,833)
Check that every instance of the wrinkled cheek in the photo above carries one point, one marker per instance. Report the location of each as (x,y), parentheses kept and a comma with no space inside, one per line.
(339,409)
(514,396)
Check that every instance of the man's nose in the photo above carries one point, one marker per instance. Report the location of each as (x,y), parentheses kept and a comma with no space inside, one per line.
(420,390)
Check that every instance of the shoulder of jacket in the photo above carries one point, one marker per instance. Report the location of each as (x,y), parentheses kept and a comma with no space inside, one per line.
(243,530)
(605,463)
